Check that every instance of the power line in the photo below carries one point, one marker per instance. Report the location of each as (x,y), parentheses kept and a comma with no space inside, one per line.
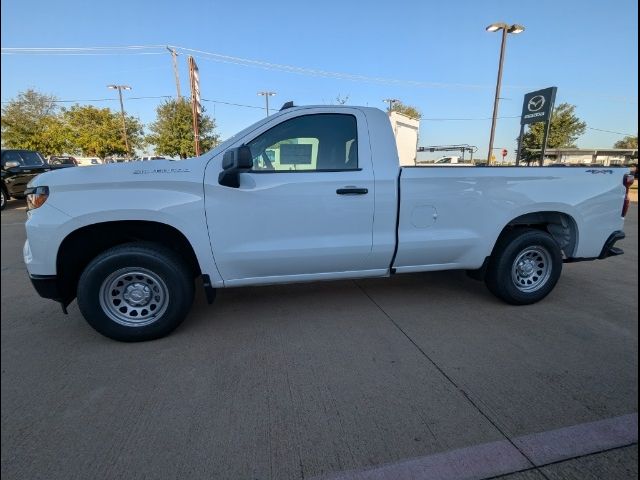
(247,62)
(65,49)
(233,104)
(464,119)
(103,99)
(92,54)
(610,131)
(149,97)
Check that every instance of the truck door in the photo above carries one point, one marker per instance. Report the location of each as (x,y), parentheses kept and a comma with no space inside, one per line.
(305,210)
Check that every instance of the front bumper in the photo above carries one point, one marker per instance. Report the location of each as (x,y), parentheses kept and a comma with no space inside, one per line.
(46,286)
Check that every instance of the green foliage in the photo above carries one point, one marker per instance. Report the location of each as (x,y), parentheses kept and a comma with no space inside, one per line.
(92,131)
(34,122)
(172,132)
(29,122)
(629,141)
(566,128)
(407,110)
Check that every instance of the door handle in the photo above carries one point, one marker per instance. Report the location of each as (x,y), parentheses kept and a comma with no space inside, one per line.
(352,191)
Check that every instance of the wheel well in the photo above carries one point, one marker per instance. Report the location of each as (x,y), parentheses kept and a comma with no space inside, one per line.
(83,245)
(560,226)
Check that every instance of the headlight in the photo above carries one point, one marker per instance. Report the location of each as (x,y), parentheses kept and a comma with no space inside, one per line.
(36,196)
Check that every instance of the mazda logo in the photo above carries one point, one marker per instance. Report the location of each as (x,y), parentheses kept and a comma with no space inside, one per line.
(536,103)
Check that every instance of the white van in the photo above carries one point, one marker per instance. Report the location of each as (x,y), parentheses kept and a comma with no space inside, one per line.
(88,161)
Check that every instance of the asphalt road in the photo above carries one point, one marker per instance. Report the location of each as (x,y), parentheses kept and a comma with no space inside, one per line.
(417,376)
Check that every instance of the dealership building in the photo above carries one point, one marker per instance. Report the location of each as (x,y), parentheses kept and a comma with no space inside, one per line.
(591,156)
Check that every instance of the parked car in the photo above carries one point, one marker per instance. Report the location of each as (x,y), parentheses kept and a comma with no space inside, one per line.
(155,157)
(330,202)
(18,168)
(88,161)
(62,160)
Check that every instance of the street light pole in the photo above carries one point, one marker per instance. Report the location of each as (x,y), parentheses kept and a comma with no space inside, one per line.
(266,95)
(506,29)
(124,122)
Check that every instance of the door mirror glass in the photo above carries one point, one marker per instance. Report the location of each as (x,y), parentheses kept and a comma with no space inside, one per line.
(235,161)
(11,164)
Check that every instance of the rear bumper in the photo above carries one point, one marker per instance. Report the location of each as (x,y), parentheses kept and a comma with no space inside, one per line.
(608,250)
(46,286)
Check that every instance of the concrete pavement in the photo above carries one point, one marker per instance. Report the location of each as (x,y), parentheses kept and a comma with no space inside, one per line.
(308,381)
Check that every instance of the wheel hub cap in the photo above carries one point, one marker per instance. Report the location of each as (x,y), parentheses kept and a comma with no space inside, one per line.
(531,269)
(134,296)
(137,294)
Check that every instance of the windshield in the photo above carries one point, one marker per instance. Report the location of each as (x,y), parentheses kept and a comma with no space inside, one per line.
(444,160)
(31,159)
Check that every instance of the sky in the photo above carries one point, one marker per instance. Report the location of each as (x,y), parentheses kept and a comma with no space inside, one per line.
(435,55)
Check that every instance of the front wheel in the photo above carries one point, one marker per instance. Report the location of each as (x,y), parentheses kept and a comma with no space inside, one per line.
(3,198)
(135,292)
(524,267)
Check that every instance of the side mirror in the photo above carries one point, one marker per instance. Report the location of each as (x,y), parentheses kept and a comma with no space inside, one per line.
(235,161)
(11,164)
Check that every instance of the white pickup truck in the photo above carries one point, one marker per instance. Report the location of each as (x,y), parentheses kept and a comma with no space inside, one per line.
(309,193)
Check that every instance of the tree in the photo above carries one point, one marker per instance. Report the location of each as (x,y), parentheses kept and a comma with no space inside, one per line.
(629,141)
(407,110)
(341,100)
(172,132)
(30,121)
(566,127)
(93,131)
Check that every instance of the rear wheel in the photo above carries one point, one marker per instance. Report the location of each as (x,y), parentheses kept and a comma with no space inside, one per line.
(135,292)
(525,266)
(3,198)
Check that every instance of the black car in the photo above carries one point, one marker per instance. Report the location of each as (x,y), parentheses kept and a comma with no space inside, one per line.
(18,167)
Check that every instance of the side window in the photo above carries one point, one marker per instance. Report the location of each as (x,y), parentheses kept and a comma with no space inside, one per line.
(11,156)
(324,141)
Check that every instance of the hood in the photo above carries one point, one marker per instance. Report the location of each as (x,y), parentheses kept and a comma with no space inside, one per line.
(78,178)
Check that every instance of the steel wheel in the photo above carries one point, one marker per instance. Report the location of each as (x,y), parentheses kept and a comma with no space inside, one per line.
(134,297)
(531,269)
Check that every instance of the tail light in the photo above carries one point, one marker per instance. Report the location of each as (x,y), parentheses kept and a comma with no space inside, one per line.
(627,181)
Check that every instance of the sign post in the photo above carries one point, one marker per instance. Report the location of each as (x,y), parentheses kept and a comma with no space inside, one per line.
(537,107)
(196,106)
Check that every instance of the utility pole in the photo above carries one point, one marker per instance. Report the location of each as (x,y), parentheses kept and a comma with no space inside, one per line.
(124,122)
(196,107)
(391,101)
(174,56)
(266,96)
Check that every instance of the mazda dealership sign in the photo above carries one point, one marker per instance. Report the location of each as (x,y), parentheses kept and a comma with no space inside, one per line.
(538,105)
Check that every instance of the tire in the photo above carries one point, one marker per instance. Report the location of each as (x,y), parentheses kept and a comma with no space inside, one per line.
(3,198)
(525,266)
(135,292)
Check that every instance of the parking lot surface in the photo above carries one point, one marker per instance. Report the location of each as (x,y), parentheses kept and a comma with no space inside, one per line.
(416,376)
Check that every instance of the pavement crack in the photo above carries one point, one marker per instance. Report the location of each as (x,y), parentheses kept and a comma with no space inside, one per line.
(564,460)
(450,379)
